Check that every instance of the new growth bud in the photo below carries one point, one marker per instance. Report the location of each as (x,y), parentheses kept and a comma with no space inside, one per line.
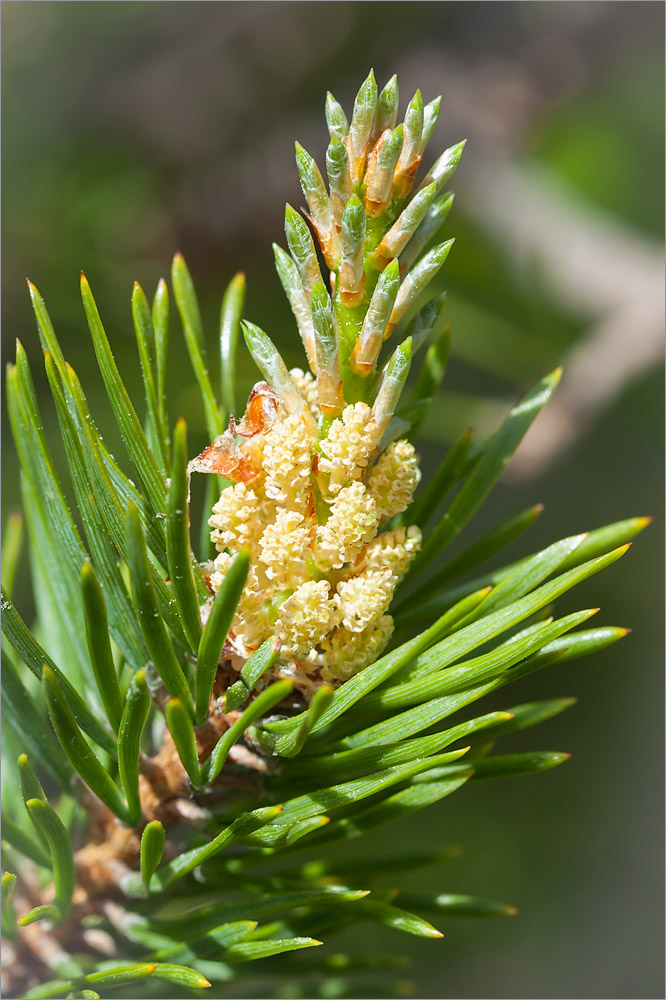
(270,363)
(430,116)
(319,204)
(352,276)
(369,343)
(432,223)
(336,119)
(443,168)
(417,280)
(302,247)
(392,384)
(381,171)
(387,110)
(298,300)
(329,383)
(427,323)
(361,127)
(339,178)
(406,225)
(410,156)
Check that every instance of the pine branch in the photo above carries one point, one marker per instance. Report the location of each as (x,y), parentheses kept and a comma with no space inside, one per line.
(297,689)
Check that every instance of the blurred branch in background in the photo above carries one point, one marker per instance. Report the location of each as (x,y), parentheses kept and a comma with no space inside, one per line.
(604,270)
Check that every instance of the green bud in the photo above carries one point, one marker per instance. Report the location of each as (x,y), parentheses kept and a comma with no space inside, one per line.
(329,383)
(387,109)
(369,343)
(418,279)
(336,119)
(430,116)
(432,223)
(410,157)
(428,322)
(31,787)
(7,886)
(407,223)
(291,282)
(323,318)
(352,277)
(413,132)
(361,126)
(392,384)
(302,246)
(443,168)
(380,173)
(339,178)
(389,154)
(319,204)
(270,363)
(153,839)
(181,728)
(313,186)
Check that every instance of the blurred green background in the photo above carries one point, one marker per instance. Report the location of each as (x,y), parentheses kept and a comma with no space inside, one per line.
(132,130)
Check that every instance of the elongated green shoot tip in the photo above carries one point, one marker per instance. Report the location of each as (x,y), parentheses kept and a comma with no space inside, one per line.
(153,839)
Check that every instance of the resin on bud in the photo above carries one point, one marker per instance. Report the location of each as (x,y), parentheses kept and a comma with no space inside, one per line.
(352,275)
(270,363)
(369,344)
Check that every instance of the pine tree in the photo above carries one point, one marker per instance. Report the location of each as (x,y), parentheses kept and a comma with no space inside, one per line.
(177,730)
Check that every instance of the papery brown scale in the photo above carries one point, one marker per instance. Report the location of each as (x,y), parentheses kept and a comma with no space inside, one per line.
(311,509)
(260,414)
(224,458)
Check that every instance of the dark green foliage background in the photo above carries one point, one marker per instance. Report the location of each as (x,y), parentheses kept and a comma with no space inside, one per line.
(132,130)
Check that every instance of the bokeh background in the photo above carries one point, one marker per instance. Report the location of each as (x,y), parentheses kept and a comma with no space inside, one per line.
(132,130)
